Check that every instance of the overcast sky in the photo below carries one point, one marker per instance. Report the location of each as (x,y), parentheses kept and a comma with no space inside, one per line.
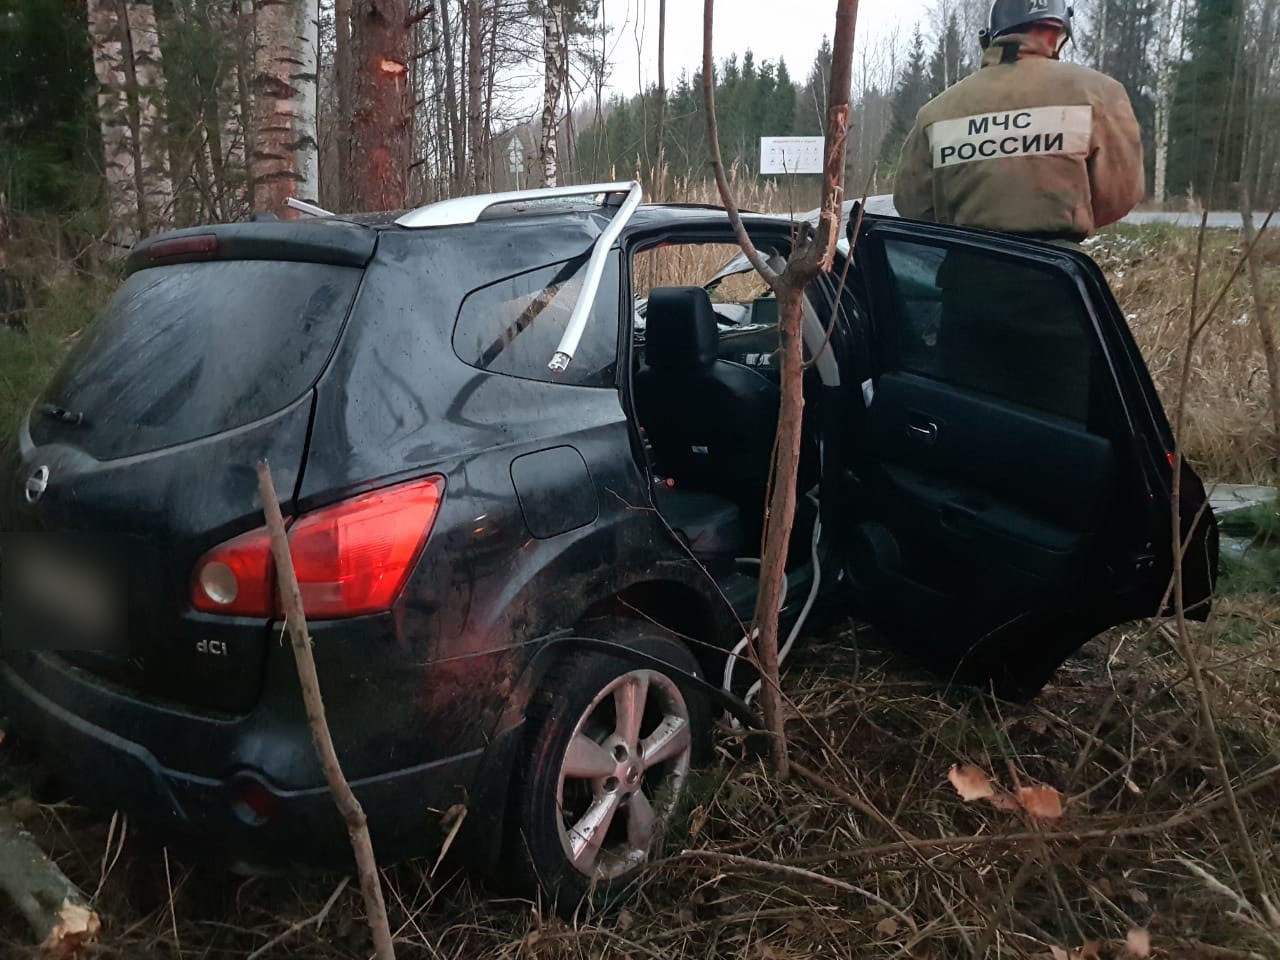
(791,29)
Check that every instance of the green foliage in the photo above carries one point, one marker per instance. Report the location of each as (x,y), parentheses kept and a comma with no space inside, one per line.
(912,93)
(28,359)
(1207,118)
(48,132)
(753,100)
(1258,570)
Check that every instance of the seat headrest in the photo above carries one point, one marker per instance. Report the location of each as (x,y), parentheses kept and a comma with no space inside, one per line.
(680,329)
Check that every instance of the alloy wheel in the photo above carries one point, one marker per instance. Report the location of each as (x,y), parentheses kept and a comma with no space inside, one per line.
(622,774)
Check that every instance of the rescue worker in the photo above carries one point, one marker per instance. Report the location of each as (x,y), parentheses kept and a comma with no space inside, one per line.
(1032,146)
(1028,144)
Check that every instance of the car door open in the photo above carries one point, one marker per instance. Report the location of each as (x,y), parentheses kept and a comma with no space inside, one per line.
(1010,502)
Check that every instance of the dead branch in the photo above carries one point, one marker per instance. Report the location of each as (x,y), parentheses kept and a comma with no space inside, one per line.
(1262,311)
(773,866)
(717,161)
(312,921)
(58,913)
(300,638)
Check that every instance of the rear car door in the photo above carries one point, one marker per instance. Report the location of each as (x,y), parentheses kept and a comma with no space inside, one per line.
(1013,477)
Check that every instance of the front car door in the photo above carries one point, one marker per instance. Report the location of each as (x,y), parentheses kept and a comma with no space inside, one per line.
(1013,474)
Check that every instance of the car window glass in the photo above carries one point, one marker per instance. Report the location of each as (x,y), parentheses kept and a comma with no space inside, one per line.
(1018,332)
(194,349)
(513,327)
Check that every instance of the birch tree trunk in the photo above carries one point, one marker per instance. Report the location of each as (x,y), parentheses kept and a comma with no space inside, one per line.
(1164,97)
(286,149)
(127,65)
(660,175)
(475,94)
(554,56)
(380,105)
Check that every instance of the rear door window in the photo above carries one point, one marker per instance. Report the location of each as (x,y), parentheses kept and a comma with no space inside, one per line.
(195,349)
(514,326)
(1013,330)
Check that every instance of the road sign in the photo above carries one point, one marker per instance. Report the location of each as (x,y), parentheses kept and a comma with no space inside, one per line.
(780,155)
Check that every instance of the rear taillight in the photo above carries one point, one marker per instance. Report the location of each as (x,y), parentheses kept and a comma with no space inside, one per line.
(236,579)
(351,558)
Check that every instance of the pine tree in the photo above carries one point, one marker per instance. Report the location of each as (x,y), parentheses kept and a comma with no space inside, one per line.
(911,94)
(947,64)
(1207,117)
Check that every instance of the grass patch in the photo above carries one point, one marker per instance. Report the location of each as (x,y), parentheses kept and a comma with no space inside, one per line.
(28,358)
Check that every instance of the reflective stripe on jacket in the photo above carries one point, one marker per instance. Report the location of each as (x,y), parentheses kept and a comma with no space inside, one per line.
(1026,145)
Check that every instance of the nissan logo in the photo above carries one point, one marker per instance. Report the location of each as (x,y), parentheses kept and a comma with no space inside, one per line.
(37,484)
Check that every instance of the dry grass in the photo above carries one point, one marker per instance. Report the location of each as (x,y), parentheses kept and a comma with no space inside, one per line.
(1228,435)
(768,870)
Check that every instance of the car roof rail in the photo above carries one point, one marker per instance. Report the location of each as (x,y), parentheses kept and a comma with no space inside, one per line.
(464,210)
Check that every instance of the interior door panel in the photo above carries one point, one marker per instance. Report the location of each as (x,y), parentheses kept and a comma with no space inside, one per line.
(991,507)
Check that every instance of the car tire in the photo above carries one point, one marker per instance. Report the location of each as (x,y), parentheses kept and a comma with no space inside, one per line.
(609,750)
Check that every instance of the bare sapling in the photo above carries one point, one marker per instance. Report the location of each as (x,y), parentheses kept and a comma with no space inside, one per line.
(300,639)
(1262,314)
(812,254)
(1191,650)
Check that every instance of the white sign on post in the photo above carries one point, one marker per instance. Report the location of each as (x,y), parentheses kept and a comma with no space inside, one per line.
(781,155)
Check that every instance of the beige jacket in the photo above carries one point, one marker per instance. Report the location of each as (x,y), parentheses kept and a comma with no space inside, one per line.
(1026,145)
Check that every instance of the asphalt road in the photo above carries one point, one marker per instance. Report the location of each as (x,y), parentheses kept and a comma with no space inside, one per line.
(1218,220)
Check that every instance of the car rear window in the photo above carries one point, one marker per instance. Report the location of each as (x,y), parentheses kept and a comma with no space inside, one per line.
(187,351)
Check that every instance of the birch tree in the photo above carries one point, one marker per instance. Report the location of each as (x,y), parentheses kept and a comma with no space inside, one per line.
(286,151)
(127,65)
(1170,20)
(555,56)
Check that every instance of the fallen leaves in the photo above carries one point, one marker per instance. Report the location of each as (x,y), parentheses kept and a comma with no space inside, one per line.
(1138,944)
(972,784)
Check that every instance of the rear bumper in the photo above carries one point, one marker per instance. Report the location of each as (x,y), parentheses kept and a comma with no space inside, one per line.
(207,817)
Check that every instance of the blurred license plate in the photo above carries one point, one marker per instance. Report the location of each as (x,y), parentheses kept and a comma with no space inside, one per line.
(65,601)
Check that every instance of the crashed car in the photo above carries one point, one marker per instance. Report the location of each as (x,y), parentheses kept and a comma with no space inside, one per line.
(525,501)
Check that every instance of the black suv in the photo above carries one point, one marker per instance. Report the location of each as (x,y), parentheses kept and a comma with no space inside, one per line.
(525,480)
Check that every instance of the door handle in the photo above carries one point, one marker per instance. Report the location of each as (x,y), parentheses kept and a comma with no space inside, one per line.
(924,431)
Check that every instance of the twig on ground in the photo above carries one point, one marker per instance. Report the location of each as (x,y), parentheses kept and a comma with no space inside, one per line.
(312,921)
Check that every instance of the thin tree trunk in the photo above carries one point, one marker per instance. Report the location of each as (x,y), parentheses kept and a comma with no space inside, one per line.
(1164,99)
(285,159)
(126,55)
(113,121)
(380,152)
(811,257)
(660,175)
(552,44)
(345,82)
(490,83)
(1262,315)
(309,680)
(452,105)
(475,92)
(246,54)
(439,121)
